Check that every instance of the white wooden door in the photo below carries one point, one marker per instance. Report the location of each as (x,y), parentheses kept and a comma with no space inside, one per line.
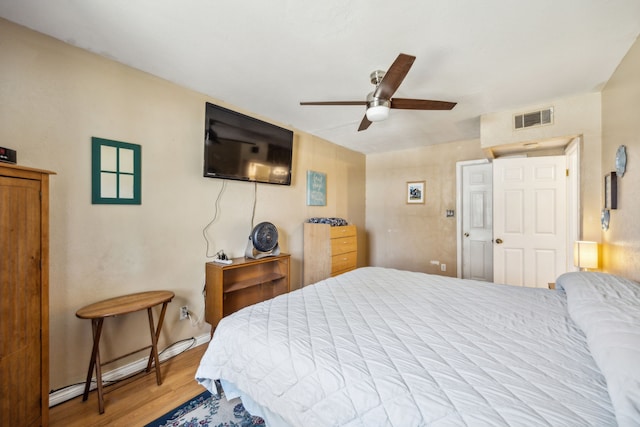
(477,222)
(530,220)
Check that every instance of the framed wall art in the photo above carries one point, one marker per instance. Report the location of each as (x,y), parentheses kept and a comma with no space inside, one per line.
(611,191)
(415,192)
(316,188)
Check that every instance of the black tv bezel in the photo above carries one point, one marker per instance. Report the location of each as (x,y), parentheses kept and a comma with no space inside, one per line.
(257,123)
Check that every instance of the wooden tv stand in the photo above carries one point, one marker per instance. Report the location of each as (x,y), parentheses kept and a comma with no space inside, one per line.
(246,281)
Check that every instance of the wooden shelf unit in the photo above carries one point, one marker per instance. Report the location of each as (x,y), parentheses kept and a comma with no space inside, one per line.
(328,251)
(246,281)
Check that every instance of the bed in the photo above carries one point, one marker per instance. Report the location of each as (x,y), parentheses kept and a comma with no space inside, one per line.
(384,347)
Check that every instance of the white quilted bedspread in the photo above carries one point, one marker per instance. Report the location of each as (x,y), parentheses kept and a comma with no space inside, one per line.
(382,347)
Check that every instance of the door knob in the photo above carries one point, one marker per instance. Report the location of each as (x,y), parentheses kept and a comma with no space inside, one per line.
(498,241)
(466,234)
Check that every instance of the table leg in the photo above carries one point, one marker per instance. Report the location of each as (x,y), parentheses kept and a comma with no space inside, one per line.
(155,335)
(96,326)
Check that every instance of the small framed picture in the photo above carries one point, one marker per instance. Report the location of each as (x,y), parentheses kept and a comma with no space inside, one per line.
(415,192)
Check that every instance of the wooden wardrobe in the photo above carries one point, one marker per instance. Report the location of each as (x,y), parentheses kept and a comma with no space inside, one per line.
(24,298)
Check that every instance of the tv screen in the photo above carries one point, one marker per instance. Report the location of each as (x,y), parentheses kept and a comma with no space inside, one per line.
(244,148)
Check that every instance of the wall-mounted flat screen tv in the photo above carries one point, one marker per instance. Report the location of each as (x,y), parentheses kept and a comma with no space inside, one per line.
(244,148)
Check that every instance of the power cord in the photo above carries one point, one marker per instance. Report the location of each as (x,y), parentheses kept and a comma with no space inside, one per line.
(108,383)
(255,199)
(215,217)
(196,320)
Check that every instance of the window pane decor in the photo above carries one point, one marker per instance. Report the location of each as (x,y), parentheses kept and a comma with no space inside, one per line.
(115,176)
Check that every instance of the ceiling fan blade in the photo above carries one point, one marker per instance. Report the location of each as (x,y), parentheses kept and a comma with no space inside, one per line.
(394,76)
(364,124)
(421,104)
(335,103)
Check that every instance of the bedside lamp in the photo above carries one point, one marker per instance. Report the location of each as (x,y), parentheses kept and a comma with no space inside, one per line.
(585,255)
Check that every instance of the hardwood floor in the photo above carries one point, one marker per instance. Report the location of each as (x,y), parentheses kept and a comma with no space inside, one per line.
(137,402)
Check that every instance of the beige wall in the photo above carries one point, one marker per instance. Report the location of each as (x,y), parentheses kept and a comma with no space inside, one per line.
(409,236)
(54,98)
(621,126)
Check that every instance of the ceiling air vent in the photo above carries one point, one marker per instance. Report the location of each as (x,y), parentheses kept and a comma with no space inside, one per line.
(536,118)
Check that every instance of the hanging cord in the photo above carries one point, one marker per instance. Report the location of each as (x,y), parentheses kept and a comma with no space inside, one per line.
(215,216)
(255,199)
(197,319)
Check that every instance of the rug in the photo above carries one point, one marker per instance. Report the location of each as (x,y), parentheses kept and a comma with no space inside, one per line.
(206,410)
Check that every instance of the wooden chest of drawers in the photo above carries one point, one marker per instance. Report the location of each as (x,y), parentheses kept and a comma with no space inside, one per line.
(328,251)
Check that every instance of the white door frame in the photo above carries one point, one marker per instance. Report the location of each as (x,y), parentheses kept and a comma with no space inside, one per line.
(573,152)
(459,189)
(574,219)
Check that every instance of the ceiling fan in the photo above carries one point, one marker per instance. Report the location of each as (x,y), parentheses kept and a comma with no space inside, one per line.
(379,101)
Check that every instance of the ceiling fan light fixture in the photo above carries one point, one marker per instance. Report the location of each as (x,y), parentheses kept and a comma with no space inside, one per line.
(377,113)
(381,100)
(378,109)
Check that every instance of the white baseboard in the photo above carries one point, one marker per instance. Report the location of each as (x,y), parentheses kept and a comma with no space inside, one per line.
(70,392)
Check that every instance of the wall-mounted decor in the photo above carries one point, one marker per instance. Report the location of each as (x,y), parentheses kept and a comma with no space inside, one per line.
(611,191)
(415,192)
(316,188)
(604,219)
(621,160)
(115,172)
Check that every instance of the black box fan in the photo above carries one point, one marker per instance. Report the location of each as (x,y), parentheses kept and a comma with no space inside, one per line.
(263,241)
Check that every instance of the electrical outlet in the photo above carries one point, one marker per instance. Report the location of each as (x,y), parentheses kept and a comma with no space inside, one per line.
(443,267)
(184,312)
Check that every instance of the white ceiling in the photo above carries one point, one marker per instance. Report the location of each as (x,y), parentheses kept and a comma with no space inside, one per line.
(267,56)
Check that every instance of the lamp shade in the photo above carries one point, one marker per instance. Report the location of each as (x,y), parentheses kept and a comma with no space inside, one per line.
(377,113)
(585,254)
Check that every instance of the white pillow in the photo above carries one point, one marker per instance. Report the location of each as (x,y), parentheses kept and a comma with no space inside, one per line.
(607,309)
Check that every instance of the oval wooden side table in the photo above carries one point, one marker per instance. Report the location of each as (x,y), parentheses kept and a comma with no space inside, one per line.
(121,305)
